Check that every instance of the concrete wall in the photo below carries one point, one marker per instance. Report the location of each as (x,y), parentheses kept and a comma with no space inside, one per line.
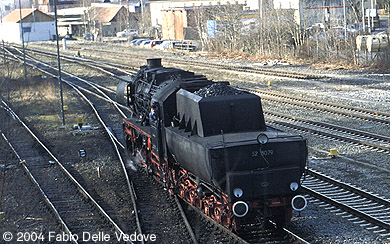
(173,23)
(40,31)
(9,32)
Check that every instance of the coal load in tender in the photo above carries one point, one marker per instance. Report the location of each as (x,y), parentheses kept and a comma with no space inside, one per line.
(218,89)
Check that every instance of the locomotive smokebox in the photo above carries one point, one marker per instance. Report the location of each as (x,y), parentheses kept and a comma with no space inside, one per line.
(154,63)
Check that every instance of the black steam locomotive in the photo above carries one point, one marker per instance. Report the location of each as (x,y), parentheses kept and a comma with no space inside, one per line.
(208,143)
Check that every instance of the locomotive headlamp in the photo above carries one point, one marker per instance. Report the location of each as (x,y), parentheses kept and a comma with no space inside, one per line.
(240,208)
(238,192)
(294,186)
(299,203)
(262,139)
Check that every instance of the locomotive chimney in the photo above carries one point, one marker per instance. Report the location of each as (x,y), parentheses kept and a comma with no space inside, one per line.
(154,63)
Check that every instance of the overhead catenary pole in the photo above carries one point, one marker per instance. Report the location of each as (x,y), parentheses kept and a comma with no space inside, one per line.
(142,15)
(24,51)
(59,64)
(5,58)
(376,13)
(345,21)
(261,26)
(363,17)
(372,16)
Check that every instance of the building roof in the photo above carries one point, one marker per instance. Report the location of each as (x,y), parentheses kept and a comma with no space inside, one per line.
(14,16)
(105,14)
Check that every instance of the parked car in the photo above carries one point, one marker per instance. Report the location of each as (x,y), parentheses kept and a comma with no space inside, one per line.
(144,43)
(165,45)
(153,43)
(354,28)
(137,42)
(87,36)
(133,41)
(69,37)
(126,33)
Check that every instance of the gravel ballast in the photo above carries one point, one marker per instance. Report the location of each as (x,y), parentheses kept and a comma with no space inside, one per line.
(366,168)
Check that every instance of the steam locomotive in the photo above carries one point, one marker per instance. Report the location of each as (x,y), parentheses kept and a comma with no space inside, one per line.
(208,143)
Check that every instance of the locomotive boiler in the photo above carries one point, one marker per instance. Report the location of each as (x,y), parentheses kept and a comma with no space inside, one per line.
(208,143)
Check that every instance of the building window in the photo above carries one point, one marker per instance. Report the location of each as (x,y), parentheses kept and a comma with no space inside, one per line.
(26,29)
(36,18)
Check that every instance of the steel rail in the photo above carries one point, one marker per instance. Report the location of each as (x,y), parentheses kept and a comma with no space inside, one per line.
(323,133)
(114,141)
(314,107)
(222,228)
(44,195)
(92,93)
(348,187)
(93,85)
(361,110)
(194,239)
(67,59)
(240,239)
(328,104)
(340,128)
(258,70)
(136,211)
(347,208)
(264,71)
(70,176)
(187,224)
(341,204)
(84,62)
(298,238)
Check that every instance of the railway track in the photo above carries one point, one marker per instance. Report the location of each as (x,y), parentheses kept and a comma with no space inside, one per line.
(254,234)
(373,141)
(360,113)
(363,135)
(203,64)
(365,114)
(339,109)
(357,205)
(75,209)
(253,237)
(113,69)
(375,218)
(141,187)
(248,69)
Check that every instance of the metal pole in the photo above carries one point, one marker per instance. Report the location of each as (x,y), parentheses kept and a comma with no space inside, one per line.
(372,16)
(24,51)
(59,63)
(6,76)
(363,17)
(376,14)
(345,21)
(261,26)
(142,15)
(4,52)
(128,15)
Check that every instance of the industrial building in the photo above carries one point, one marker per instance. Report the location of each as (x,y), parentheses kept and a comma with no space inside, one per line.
(37,26)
